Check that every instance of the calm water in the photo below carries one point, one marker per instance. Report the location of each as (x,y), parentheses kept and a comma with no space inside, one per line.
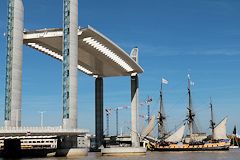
(217,155)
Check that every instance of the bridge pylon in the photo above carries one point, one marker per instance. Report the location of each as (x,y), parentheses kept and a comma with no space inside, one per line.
(13,87)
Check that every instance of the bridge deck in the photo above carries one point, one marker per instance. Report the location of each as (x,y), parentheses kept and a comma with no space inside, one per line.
(22,131)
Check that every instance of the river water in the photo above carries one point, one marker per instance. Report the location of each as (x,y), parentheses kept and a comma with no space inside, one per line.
(214,155)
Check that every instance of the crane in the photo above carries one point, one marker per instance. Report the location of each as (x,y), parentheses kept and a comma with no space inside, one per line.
(109,112)
(147,103)
(117,109)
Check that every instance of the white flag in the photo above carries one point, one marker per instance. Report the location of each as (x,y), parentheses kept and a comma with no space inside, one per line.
(192,83)
(164,81)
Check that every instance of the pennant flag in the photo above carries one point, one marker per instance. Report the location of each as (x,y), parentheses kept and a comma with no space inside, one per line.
(164,81)
(191,82)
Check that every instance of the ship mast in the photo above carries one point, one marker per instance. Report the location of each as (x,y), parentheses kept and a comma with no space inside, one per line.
(234,130)
(212,124)
(191,115)
(161,117)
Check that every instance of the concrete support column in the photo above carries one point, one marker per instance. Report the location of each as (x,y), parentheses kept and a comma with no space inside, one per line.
(134,110)
(99,111)
(13,90)
(70,62)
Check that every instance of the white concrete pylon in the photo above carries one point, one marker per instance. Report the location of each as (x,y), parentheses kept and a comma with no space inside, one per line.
(134,111)
(134,102)
(13,95)
(70,63)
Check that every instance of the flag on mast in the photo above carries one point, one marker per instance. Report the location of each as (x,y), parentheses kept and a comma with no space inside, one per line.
(164,81)
(191,83)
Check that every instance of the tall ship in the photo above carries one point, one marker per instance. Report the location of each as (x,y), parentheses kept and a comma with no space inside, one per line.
(195,141)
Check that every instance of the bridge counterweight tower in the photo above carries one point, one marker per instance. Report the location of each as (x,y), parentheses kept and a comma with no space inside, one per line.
(70,62)
(13,88)
(134,102)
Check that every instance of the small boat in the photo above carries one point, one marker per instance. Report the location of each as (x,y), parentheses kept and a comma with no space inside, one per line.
(195,141)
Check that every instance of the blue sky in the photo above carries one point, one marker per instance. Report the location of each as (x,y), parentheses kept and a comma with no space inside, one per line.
(174,37)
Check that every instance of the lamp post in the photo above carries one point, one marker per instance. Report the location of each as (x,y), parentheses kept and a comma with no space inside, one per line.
(41,117)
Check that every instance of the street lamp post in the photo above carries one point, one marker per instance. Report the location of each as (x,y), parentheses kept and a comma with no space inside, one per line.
(41,117)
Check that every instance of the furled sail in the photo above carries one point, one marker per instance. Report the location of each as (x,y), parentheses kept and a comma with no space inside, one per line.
(149,127)
(177,136)
(220,131)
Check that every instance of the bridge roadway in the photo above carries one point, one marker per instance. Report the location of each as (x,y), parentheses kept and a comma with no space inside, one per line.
(40,131)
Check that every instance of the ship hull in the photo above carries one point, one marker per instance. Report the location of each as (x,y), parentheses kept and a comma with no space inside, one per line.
(193,149)
(189,147)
